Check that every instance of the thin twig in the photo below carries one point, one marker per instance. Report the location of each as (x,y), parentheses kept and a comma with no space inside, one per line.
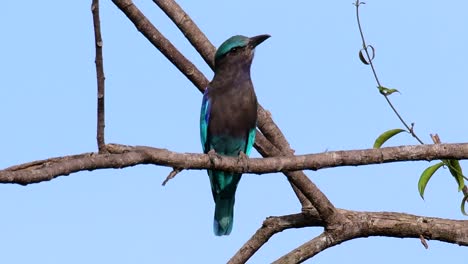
(171,175)
(100,77)
(365,47)
(423,241)
(410,129)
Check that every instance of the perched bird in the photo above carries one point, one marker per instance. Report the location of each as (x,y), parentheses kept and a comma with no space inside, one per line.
(228,120)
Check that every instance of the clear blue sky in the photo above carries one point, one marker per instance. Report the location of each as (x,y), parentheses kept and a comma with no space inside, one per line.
(308,75)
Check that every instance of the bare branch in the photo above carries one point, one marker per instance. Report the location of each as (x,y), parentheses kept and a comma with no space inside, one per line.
(100,76)
(423,241)
(266,149)
(271,226)
(191,31)
(389,224)
(121,156)
(171,175)
(162,44)
(355,225)
(314,246)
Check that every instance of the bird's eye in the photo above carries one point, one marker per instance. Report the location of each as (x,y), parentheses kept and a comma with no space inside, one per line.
(235,49)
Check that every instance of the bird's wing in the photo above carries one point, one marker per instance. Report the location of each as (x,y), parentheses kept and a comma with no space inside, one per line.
(204,119)
(250,140)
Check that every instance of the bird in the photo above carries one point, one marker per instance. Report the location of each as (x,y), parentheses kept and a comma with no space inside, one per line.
(228,120)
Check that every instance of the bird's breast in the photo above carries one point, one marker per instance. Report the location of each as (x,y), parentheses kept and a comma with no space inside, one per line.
(233,112)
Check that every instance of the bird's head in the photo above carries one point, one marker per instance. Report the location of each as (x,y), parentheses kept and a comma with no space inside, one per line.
(238,48)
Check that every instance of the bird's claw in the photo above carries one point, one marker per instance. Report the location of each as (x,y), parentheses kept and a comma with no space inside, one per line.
(213,155)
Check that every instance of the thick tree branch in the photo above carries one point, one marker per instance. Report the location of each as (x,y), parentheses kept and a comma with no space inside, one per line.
(121,156)
(388,224)
(99,75)
(355,225)
(264,147)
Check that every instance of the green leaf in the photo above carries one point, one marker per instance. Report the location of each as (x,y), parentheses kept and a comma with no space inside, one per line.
(387,91)
(367,54)
(362,58)
(456,171)
(386,136)
(462,207)
(426,176)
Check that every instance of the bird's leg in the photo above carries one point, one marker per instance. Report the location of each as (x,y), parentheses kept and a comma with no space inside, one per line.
(242,160)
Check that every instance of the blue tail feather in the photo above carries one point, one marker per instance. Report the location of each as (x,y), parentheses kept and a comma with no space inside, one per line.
(224,187)
(224,215)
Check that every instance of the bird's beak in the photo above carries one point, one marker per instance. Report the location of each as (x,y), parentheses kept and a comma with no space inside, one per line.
(255,41)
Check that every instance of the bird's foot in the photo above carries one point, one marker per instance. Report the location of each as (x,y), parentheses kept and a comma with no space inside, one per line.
(213,156)
(243,161)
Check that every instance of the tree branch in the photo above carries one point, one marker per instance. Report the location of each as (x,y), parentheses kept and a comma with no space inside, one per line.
(121,156)
(356,225)
(162,43)
(315,246)
(271,226)
(100,76)
(191,31)
(388,224)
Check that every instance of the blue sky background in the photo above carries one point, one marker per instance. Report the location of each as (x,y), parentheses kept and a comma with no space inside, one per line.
(308,75)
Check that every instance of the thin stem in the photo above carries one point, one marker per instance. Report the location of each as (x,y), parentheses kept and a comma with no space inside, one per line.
(409,128)
(365,47)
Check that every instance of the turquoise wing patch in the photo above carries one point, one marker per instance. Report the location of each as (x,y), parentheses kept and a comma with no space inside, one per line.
(250,141)
(204,119)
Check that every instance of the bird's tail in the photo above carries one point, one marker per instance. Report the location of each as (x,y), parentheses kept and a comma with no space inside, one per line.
(224,215)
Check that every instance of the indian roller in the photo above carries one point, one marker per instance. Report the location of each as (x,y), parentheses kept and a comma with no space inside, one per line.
(228,119)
